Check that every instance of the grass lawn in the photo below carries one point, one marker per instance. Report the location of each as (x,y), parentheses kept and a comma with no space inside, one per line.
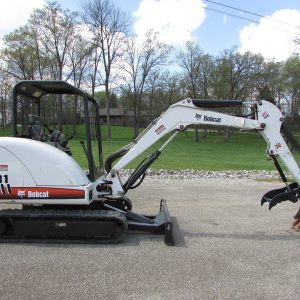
(242,151)
(5,132)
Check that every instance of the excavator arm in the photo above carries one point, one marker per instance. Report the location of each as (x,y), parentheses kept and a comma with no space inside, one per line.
(266,118)
(176,118)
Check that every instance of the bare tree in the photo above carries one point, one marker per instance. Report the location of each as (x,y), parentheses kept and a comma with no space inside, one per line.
(55,30)
(5,88)
(94,75)
(190,62)
(19,59)
(108,26)
(291,80)
(78,61)
(171,84)
(236,74)
(153,83)
(139,62)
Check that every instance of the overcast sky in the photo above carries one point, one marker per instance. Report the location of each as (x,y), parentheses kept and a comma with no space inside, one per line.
(211,25)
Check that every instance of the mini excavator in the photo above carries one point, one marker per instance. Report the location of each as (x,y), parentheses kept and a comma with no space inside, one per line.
(60,202)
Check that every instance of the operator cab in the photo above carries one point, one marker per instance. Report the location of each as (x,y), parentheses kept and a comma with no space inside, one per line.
(56,138)
(36,116)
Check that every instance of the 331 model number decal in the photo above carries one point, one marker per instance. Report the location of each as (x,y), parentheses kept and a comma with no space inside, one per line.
(4,185)
(3,178)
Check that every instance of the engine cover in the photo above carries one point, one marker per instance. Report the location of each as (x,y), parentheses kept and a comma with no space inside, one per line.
(35,172)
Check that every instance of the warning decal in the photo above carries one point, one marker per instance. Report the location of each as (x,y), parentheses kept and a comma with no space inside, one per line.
(3,168)
(160,129)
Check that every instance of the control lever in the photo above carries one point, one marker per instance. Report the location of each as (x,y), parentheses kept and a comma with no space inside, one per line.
(65,142)
(84,149)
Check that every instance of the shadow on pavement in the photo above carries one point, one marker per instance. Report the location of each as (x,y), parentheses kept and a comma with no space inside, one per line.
(258,236)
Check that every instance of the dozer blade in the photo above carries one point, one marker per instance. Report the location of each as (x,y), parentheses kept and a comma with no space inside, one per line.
(160,224)
(290,193)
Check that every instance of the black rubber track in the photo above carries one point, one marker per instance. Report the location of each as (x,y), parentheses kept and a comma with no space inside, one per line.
(41,226)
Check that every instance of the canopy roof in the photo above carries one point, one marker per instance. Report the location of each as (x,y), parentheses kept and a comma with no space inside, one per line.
(34,89)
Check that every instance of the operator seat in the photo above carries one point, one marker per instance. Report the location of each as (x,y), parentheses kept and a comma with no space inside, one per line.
(35,128)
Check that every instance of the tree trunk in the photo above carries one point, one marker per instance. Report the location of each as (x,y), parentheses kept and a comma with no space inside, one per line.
(3,113)
(75,117)
(135,123)
(226,134)
(108,112)
(60,113)
(196,135)
(204,132)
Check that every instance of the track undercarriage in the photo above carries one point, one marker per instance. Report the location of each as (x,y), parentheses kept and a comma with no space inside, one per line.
(89,225)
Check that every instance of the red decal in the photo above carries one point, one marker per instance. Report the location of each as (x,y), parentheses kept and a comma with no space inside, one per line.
(277,146)
(3,168)
(265,115)
(160,129)
(43,193)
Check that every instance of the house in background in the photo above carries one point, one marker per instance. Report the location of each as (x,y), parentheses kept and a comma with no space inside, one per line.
(122,117)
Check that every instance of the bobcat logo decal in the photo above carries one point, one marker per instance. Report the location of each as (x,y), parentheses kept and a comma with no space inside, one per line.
(21,194)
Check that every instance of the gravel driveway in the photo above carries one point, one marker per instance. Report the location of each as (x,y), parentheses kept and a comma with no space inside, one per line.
(228,247)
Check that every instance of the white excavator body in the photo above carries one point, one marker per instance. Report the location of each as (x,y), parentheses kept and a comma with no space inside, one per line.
(37,173)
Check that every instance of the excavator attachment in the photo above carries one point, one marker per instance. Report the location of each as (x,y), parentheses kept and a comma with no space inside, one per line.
(160,224)
(289,193)
(296,224)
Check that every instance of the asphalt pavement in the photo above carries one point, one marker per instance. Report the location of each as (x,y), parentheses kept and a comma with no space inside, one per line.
(227,247)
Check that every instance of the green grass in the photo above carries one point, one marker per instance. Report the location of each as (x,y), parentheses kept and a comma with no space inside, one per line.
(5,132)
(242,151)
